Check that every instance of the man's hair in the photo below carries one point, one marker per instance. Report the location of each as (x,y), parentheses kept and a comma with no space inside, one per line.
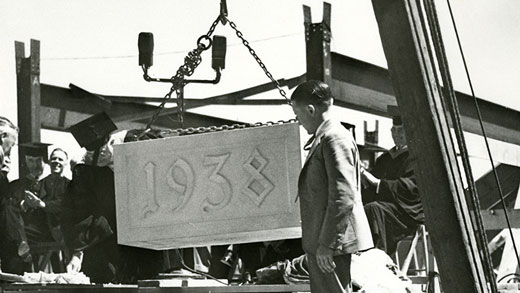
(4,122)
(313,92)
(59,150)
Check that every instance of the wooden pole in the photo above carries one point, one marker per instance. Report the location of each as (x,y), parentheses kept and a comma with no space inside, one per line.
(447,218)
(28,88)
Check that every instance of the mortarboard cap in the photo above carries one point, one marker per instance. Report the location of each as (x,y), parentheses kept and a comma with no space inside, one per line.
(36,149)
(393,111)
(92,132)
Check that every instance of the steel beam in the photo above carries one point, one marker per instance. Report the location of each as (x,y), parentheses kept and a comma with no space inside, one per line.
(366,87)
(317,43)
(28,97)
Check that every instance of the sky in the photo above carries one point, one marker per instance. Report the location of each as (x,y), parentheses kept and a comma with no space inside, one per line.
(93,44)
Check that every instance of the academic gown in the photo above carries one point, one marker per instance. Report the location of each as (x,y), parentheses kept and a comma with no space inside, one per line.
(42,224)
(89,225)
(53,191)
(396,210)
(11,230)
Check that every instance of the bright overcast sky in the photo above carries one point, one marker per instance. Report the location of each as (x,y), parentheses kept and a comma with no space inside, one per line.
(93,43)
(97,41)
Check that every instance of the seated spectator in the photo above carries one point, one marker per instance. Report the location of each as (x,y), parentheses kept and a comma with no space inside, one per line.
(391,198)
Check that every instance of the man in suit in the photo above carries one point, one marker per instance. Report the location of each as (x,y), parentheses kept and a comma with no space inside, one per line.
(54,188)
(334,224)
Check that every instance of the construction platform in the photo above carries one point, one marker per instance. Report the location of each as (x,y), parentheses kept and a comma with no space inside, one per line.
(147,287)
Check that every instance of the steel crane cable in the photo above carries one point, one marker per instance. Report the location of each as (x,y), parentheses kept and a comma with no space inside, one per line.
(477,108)
(450,97)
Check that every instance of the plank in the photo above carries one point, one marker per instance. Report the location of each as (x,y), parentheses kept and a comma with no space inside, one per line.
(102,288)
(244,288)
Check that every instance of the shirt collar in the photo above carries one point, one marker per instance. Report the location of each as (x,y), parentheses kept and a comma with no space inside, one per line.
(395,152)
(320,129)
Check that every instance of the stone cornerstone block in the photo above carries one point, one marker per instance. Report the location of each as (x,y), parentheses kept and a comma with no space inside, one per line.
(209,189)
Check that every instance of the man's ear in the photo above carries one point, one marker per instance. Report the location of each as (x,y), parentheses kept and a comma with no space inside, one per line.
(311,109)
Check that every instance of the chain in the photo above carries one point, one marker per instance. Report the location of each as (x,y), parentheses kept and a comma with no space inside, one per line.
(213,26)
(163,133)
(258,60)
(191,62)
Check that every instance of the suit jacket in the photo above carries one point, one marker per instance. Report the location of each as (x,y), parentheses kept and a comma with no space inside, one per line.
(329,191)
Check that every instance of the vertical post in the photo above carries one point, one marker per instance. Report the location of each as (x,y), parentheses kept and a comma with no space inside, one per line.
(447,217)
(317,41)
(28,96)
(371,136)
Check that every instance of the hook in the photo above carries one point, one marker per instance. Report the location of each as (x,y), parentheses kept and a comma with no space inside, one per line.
(223,12)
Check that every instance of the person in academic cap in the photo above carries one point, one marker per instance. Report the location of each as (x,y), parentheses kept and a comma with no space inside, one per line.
(40,198)
(391,198)
(89,212)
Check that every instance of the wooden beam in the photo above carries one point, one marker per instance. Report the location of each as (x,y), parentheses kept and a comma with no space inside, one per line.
(447,217)
(28,97)
(368,88)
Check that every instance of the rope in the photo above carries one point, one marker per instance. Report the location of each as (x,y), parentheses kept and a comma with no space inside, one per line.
(499,187)
(164,53)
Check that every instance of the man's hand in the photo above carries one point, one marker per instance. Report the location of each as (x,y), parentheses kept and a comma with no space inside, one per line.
(367,179)
(74,265)
(31,200)
(325,260)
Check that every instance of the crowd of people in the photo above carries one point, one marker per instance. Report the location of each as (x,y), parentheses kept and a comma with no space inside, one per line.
(78,214)
(344,207)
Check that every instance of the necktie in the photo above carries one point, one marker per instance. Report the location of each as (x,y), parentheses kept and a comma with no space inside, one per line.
(308,144)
